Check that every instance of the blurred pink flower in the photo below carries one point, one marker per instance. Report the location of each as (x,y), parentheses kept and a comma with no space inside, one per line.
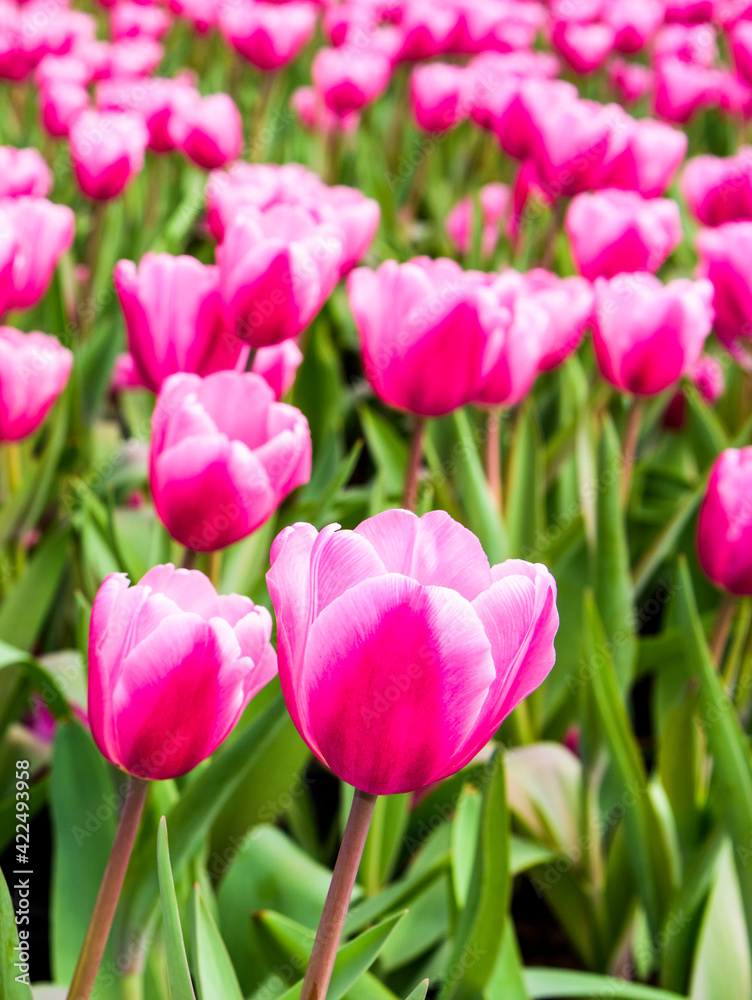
(107,149)
(34,370)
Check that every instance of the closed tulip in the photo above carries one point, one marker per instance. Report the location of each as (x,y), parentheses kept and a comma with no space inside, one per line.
(23,172)
(646,334)
(208,130)
(172,665)
(633,21)
(726,261)
(570,145)
(349,78)
(583,46)
(724,534)
(268,35)
(719,189)
(437,95)
(278,365)
(42,232)
(60,103)
(173,317)
(224,455)
(277,269)
(645,156)
(34,370)
(613,231)
(107,150)
(569,304)
(401,650)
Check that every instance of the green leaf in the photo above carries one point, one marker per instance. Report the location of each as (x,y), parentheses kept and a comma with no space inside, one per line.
(199,804)
(483,517)
(726,739)
(384,840)
(507,981)
(419,993)
(177,964)
(387,448)
(560,984)
(612,579)
(10,974)
(85,807)
(723,967)
(525,501)
(480,929)
(215,976)
(29,601)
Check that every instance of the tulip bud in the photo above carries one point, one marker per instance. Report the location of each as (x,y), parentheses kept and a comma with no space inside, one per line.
(724,534)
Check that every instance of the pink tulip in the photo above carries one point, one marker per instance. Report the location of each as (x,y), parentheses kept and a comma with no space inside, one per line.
(694,44)
(500,26)
(62,69)
(349,79)
(42,232)
(277,268)
(60,103)
(718,189)
(269,35)
(724,532)
(424,329)
(707,375)
(202,14)
(583,46)
(726,261)
(682,89)
(125,375)
(173,317)
(400,649)
(130,19)
(689,11)
(644,157)
(494,201)
(156,100)
(172,665)
(208,130)
(131,57)
(8,247)
(634,22)
(646,334)
(34,370)
(569,304)
(23,172)
(633,81)
(278,365)
(427,29)
(314,115)
(514,108)
(107,150)
(224,455)
(437,96)
(570,146)
(613,231)
(356,217)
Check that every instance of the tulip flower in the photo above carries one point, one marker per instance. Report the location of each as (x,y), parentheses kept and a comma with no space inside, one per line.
(634,22)
(726,261)
(208,130)
(202,14)
(645,156)
(741,49)
(34,370)
(130,19)
(437,95)
(724,534)
(689,11)
(173,317)
(707,376)
(647,335)
(426,29)
(157,101)
(314,115)
(569,304)
(60,103)
(277,268)
(682,89)
(23,172)
(355,216)
(719,189)
(633,81)
(107,150)
(131,57)
(350,78)
(495,204)
(570,146)
(613,231)
(424,329)
(268,35)
(224,455)
(401,650)
(583,46)
(41,232)
(278,365)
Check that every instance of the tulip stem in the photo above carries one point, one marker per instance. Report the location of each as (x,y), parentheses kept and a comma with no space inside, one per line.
(629,448)
(723,621)
(189,559)
(214,567)
(329,933)
(251,359)
(15,472)
(493,455)
(410,495)
(109,892)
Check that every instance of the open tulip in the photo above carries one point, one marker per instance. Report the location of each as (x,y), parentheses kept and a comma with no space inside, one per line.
(23,172)
(726,261)
(401,650)
(173,317)
(724,535)
(34,370)
(42,232)
(646,334)
(172,665)
(224,454)
(613,231)
(107,150)
(277,269)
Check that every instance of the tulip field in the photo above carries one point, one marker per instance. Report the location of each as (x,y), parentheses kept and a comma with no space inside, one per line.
(375,499)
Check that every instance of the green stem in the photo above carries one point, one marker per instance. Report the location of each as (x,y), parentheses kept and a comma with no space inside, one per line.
(723,622)
(109,892)
(410,495)
(493,454)
(329,933)
(629,447)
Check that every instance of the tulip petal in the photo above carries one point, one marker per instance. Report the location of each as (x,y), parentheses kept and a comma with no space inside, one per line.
(189,589)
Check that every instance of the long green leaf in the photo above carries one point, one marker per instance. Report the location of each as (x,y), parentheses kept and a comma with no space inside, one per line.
(215,976)
(14,981)
(560,984)
(177,963)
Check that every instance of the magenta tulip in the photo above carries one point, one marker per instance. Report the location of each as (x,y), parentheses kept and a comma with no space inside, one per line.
(726,261)
(634,22)
(437,95)
(173,317)
(268,35)
(646,334)
(570,146)
(23,172)
(314,115)
(633,81)
(719,189)
(427,29)
(724,534)
(277,269)
(350,78)
(645,156)
(34,370)
(42,232)
(707,376)
(495,205)
(612,231)
(130,19)
(569,304)
(208,130)
(401,650)
(107,150)
(60,103)
(172,665)
(157,101)
(202,14)
(583,46)
(741,49)
(278,365)
(224,455)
